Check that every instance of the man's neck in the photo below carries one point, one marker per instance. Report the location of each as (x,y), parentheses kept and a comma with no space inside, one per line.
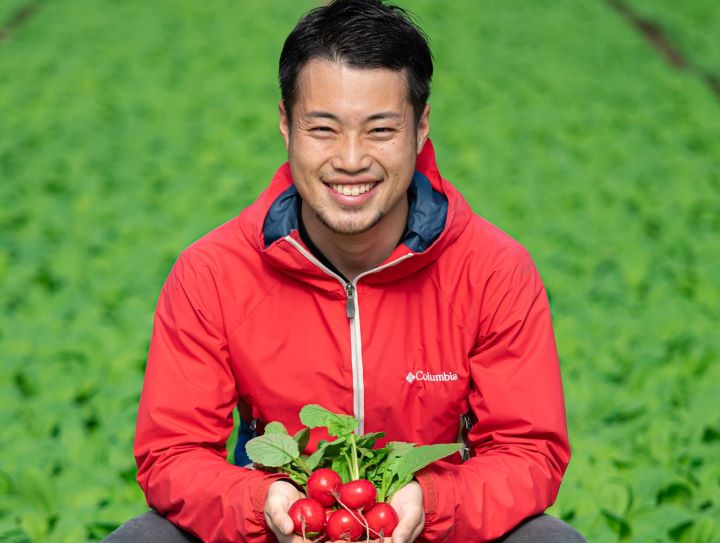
(358,253)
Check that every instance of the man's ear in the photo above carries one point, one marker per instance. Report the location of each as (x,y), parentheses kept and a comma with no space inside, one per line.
(423,128)
(284,123)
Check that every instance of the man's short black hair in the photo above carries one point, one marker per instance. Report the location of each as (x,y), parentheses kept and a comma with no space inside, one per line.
(361,34)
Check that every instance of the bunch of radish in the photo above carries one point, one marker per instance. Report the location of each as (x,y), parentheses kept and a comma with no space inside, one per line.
(341,511)
(348,482)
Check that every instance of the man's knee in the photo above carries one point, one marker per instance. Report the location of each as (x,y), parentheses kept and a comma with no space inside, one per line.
(147,528)
(543,529)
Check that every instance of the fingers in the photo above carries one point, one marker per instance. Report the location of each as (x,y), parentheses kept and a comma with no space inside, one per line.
(409,527)
(418,530)
(408,502)
(279,498)
(411,524)
(405,536)
(402,533)
(277,518)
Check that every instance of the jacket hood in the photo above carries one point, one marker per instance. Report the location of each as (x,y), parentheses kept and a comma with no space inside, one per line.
(437,215)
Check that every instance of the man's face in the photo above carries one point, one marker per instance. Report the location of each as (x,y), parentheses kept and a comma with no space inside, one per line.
(352,144)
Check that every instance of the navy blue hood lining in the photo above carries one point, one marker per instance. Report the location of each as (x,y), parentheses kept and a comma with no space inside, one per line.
(426,217)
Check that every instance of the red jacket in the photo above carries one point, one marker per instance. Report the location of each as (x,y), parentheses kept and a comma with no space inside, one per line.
(455,321)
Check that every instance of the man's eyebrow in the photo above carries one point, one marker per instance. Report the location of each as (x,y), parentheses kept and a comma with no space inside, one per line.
(374,117)
(383,115)
(321,115)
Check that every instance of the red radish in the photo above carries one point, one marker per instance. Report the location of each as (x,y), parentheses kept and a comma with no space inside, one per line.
(358,494)
(322,486)
(343,525)
(308,517)
(382,519)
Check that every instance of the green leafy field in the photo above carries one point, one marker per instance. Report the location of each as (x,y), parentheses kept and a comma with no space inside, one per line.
(129,129)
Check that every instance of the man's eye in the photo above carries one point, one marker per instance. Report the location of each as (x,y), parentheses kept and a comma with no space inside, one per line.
(321,129)
(382,130)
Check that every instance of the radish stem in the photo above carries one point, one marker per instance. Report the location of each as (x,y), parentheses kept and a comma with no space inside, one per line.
(367,526)
(303,465)
(355,466)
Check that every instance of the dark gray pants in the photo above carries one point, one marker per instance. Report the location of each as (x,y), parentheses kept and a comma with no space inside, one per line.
(151,527)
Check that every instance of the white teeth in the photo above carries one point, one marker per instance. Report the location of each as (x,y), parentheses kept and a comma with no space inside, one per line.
(352,190)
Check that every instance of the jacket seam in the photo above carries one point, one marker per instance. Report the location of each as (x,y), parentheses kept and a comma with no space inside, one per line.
(227,332)
(231,331)
(450,305)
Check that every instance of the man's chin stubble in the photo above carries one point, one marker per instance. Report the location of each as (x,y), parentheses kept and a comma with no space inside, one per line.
(352,230)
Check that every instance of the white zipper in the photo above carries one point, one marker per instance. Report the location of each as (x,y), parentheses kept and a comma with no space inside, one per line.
(352,310)
(353,315)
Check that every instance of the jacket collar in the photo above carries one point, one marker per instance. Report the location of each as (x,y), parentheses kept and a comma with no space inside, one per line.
(427,213)
(437,215)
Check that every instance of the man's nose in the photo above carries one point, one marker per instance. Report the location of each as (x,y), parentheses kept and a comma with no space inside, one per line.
(351,155)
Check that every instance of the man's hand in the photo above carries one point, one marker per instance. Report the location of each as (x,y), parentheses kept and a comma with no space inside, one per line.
(281,496)
(408,502)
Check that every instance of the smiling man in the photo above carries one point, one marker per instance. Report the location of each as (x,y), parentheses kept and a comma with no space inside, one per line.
(361,280)
(352,138)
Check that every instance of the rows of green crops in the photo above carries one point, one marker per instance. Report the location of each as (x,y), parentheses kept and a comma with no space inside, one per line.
(128,129)
(692,27)
(10,12)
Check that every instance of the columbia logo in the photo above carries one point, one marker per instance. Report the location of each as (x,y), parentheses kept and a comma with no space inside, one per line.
(421,375)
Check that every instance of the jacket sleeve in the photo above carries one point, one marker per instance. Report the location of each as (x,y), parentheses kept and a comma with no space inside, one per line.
(518,446)
(185,419)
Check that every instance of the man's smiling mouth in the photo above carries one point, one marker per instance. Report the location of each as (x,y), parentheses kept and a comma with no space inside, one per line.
(353,190)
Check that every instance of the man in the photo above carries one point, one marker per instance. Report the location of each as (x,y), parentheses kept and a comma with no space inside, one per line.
(359,280)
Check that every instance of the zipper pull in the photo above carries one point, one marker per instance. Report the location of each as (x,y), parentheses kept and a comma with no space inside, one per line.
(466,424)
(350,306)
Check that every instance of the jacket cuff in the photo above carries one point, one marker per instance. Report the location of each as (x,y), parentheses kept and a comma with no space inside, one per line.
(260,492)
(439,527)
(426,481)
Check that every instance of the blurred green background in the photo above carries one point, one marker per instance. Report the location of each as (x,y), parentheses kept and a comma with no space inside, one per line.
(128,129)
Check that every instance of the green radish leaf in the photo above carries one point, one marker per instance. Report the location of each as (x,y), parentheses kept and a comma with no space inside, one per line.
(418,457)
(330,450)
(302,437)
(399,447)
(385,476)
(298,477)
(333,448)
(272,450)
(275,428)
(314,416)
(341,425)
(378,457)
(368,440)
(374,467)
(315,458)
(396,450)
(364,457)
(340,465)
(365,453)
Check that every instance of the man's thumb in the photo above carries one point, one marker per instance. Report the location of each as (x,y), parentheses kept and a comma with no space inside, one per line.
(401,534)
(278,516)
(286,525)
